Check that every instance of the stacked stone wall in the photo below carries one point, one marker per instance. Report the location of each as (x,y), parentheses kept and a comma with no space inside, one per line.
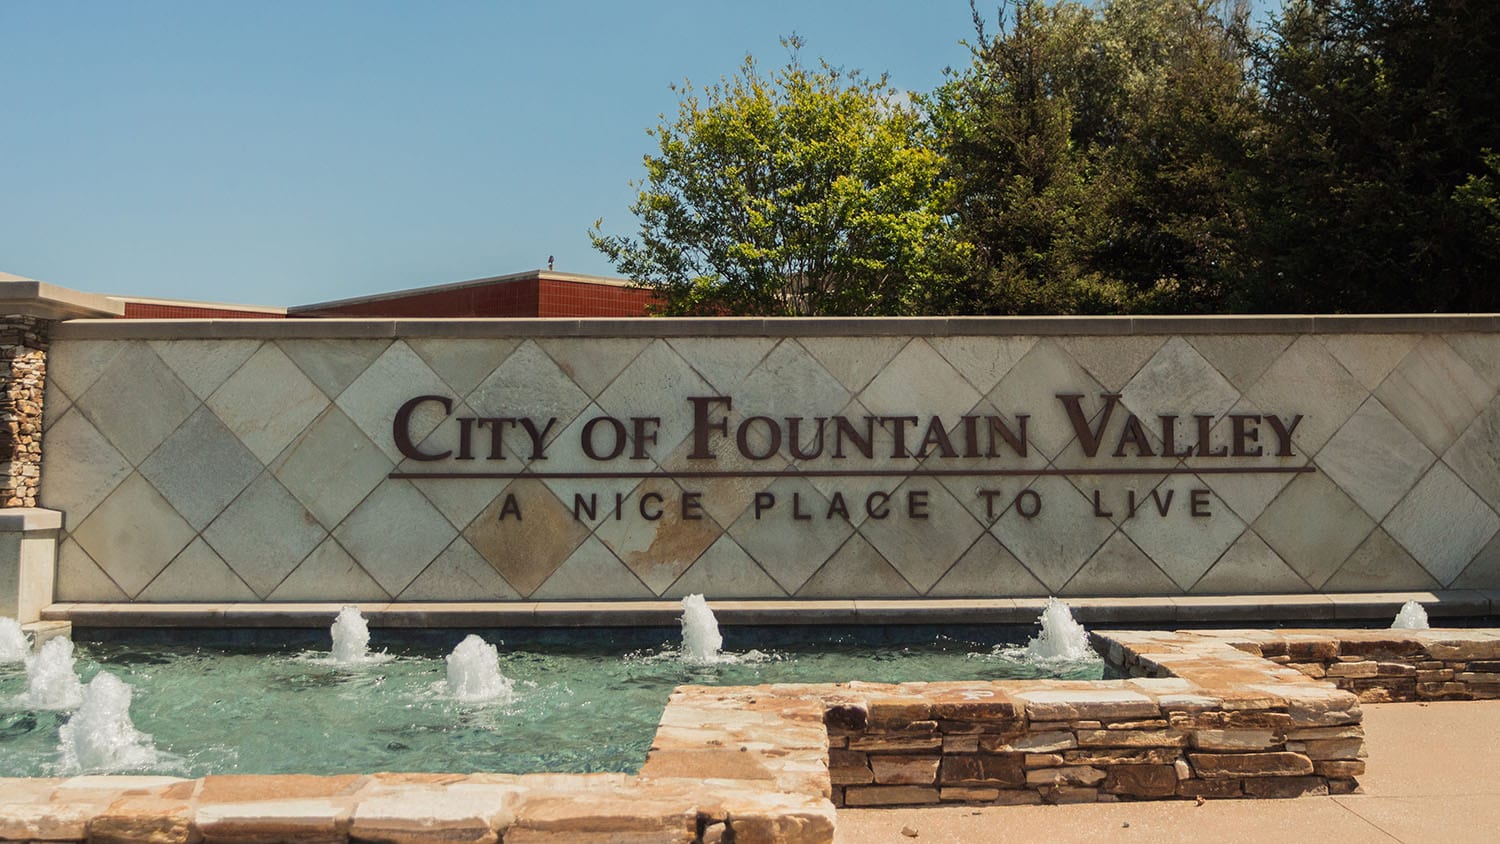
(1129,740)
(1385,665)
(23,377)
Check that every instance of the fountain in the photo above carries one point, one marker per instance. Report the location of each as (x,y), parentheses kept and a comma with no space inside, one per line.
(100,737)
(50,680)
(474,672)
(1061,639)
(13,644)
(1411,617)
(351,637)
(700,632)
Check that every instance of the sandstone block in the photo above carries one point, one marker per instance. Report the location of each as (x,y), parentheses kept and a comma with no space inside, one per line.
(1109,756)
(1339,768)
(1237,765)
(1085,704)
(1235,739)
(1342,786)
(1002,770)
(1220,720)
(1461,650)
(895,741)
(1086,775)
(850,776)
(1457,691)
(904,770)
(802,825)
(294,819)
(1345,748)
(1147,724)
(1142,780)
(1068,794)
(1132,738)
(967,794)
(1216,788)
(1395,669)
(898,710)
(1043,760)
(1309,733)
(459,812)
(1034,743)
(145,819)
(884,795)
(1312,650)
(1285,786)
(1434,676)
(960,744)
(1365,668)
(608,816)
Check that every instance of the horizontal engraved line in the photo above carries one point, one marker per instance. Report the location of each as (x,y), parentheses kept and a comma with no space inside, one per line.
(855,473)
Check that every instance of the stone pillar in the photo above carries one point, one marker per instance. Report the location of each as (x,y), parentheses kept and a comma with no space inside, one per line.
(28,534)
(23,376)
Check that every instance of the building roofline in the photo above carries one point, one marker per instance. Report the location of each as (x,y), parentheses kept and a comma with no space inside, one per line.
(195,303)
(528,275)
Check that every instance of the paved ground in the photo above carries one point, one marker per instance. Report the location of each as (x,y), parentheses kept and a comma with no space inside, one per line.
(1432,776)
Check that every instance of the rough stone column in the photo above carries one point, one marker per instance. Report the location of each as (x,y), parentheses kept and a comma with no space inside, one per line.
(23,377)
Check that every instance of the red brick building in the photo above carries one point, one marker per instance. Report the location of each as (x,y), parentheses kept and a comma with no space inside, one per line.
(534,293)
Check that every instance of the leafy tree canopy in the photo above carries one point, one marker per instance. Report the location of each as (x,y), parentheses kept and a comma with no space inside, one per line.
(805,191)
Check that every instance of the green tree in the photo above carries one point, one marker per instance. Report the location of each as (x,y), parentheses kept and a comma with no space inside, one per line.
(1097,153)
(1375,192)
(809,191)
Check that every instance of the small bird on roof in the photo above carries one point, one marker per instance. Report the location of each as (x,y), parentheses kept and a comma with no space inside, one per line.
(549,262)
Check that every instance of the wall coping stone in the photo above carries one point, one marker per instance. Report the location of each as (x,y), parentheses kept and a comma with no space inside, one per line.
(92,329)
(39,299)
(27,519)
(406,614)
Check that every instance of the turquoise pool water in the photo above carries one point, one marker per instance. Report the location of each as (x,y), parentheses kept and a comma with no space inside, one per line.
(589,705)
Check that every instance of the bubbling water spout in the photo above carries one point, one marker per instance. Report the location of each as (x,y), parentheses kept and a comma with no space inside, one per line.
(474,672)
(700,632)
(1061,638)
(100,736)
(351,637)
(13,645)
(50,680)
(1411,617)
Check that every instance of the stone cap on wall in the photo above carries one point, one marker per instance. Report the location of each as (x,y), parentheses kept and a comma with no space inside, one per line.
(29,297)
(169,329)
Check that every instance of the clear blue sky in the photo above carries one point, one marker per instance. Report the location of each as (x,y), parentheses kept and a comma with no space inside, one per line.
(283,153)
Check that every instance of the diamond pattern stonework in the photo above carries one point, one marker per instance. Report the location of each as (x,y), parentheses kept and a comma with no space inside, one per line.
(249,463)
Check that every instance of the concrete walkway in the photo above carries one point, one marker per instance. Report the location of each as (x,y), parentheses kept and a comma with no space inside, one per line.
(1432,776)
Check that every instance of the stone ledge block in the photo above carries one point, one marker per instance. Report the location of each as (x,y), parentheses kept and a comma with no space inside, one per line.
(627,815)
(1132,738)
(904,770)
(1043,742)
(1281,787)
(1084,775)
(885,795)
(442,814)
(1236,739)
(1086,704)
(1142,780)
(1006,771)
(1246,765)
(293,819)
